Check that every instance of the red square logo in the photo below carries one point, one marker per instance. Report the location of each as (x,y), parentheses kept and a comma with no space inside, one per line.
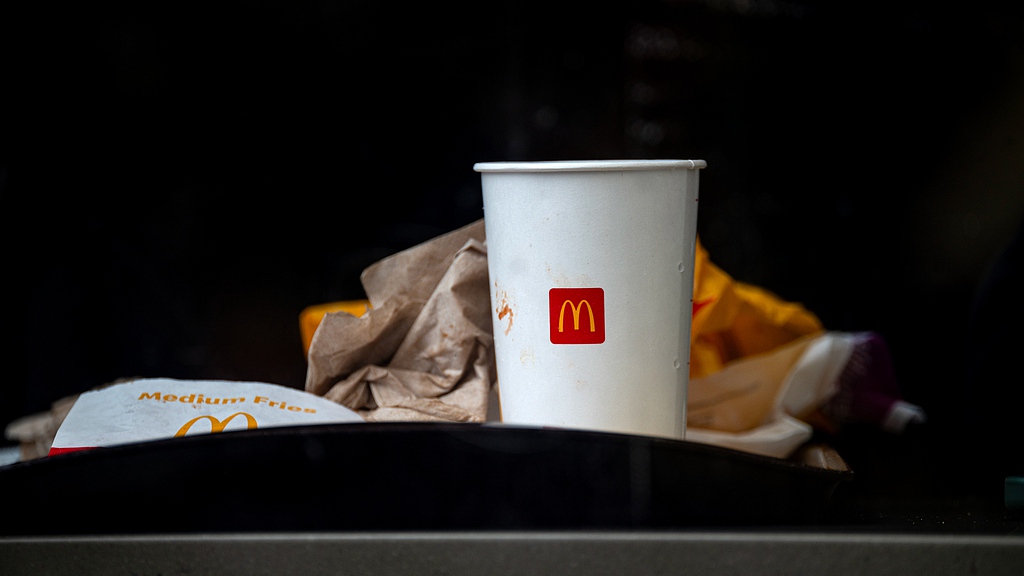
(576,315)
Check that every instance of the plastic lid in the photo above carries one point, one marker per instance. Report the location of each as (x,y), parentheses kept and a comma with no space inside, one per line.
(588,165)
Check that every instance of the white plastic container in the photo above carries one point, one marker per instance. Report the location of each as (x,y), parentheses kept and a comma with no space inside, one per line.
(591,276)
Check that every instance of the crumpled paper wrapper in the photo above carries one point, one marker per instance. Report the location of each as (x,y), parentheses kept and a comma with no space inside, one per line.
(424,351)
(761,403)
(34,433)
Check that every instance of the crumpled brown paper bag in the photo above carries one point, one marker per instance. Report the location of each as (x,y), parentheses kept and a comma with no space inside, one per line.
(424,350)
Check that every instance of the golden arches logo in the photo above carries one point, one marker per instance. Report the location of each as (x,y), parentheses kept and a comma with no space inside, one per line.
(215,424)
(576,299)
(576,315)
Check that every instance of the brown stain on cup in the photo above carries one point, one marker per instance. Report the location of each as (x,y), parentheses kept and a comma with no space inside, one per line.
(504,310)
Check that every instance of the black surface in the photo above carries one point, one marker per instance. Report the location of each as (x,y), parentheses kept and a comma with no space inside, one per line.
(179,180)
(359,477)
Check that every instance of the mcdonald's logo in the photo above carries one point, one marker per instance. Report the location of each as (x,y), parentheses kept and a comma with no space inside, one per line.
(215,424)
(576,315)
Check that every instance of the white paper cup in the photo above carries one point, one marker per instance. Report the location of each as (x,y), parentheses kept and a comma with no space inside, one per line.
(591,277)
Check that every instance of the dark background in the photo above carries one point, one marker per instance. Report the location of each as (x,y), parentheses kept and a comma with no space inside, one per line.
(180,180)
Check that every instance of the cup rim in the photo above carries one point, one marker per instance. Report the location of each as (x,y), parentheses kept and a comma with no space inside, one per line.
(588,165)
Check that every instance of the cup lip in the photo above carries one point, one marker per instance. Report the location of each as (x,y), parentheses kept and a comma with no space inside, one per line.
(587,165)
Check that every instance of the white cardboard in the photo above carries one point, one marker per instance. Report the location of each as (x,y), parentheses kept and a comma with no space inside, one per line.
(155,408)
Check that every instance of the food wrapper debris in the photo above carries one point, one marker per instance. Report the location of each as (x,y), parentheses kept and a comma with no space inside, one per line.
(423,350)
(764,372)
(159,408)
(34,433)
